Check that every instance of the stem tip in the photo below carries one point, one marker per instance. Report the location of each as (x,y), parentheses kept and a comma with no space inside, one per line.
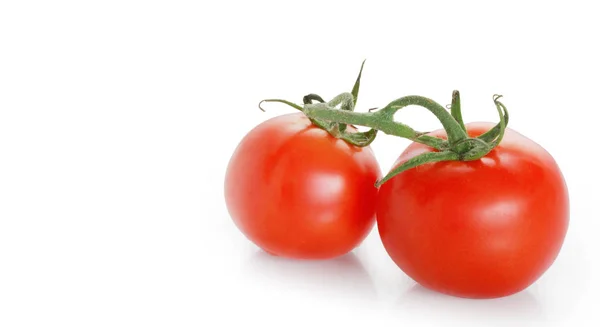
(260,106)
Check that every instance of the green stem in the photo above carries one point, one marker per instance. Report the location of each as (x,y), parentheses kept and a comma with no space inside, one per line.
(291,104)
(458,146)
(493,133)
(375,120)
(455,109)
(356,86)
(453,128)
(345,100)
(503,113)
(332,127)
(309,98)
(417,161)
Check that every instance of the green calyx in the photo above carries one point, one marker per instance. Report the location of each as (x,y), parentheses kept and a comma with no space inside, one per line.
(346,102)
(458,146)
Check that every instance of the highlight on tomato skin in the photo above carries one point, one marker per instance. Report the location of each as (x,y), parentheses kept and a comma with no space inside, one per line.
(296,191)
(477,229)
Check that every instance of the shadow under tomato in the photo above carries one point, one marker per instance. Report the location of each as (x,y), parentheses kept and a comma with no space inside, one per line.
(522,306)
(343,277)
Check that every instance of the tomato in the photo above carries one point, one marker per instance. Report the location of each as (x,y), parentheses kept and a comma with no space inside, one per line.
(477,229)
(296,191)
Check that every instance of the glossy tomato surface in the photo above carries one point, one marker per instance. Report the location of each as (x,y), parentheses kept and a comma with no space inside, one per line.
(480,229)
(298,192)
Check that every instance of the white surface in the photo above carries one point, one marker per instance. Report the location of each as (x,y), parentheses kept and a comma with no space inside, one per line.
(117,119)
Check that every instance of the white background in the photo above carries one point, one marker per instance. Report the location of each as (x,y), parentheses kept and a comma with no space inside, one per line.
(118,118)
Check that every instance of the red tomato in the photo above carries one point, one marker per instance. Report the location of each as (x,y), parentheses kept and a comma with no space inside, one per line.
(298,192)
(480,229)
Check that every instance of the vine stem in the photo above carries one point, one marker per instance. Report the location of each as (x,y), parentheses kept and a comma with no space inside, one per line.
(376,120)
(454,130)
(457,146)
(383,119)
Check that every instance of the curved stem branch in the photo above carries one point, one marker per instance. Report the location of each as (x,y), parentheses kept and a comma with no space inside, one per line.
(291,104)
(502,112)
(493,133)
(453,129)
(309,98)
(417,161)
(346,100)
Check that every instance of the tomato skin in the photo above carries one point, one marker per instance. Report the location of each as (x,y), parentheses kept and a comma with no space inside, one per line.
(298,192)
(480,229)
